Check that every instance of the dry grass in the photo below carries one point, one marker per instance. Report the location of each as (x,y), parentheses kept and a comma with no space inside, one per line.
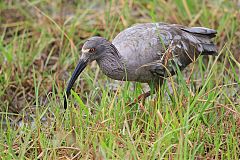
(39,47)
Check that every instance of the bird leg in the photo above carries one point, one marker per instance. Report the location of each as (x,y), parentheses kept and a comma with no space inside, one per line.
(141,98)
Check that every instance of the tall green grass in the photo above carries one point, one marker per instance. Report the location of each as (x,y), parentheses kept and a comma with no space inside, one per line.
(193,119)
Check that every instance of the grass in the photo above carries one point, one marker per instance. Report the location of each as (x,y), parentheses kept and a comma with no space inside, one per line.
(40,42)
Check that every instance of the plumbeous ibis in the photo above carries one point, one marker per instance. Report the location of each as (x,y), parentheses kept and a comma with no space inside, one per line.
(146,52)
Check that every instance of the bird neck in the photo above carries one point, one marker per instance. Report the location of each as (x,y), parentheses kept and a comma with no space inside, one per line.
(111,63)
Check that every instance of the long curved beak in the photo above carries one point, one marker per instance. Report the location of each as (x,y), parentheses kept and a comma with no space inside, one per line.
(80,67)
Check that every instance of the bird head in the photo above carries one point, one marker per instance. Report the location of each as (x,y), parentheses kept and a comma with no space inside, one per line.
(92,49)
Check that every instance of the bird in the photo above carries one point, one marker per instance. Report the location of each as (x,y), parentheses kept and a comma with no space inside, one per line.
(145,52)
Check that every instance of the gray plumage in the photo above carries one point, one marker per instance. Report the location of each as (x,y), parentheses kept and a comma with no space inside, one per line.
(147,52)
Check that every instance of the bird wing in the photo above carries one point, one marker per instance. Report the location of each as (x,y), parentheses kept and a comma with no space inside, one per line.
(183,48)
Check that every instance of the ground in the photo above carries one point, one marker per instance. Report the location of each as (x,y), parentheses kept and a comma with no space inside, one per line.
(196,115)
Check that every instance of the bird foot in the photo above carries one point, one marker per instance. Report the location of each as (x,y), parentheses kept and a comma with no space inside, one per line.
(143,108)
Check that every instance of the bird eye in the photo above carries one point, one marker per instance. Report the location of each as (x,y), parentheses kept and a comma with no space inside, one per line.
(92,49)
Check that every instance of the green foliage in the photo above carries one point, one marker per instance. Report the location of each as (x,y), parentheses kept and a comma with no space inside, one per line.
(194,116)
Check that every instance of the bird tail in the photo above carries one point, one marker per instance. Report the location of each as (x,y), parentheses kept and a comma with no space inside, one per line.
(204,36)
